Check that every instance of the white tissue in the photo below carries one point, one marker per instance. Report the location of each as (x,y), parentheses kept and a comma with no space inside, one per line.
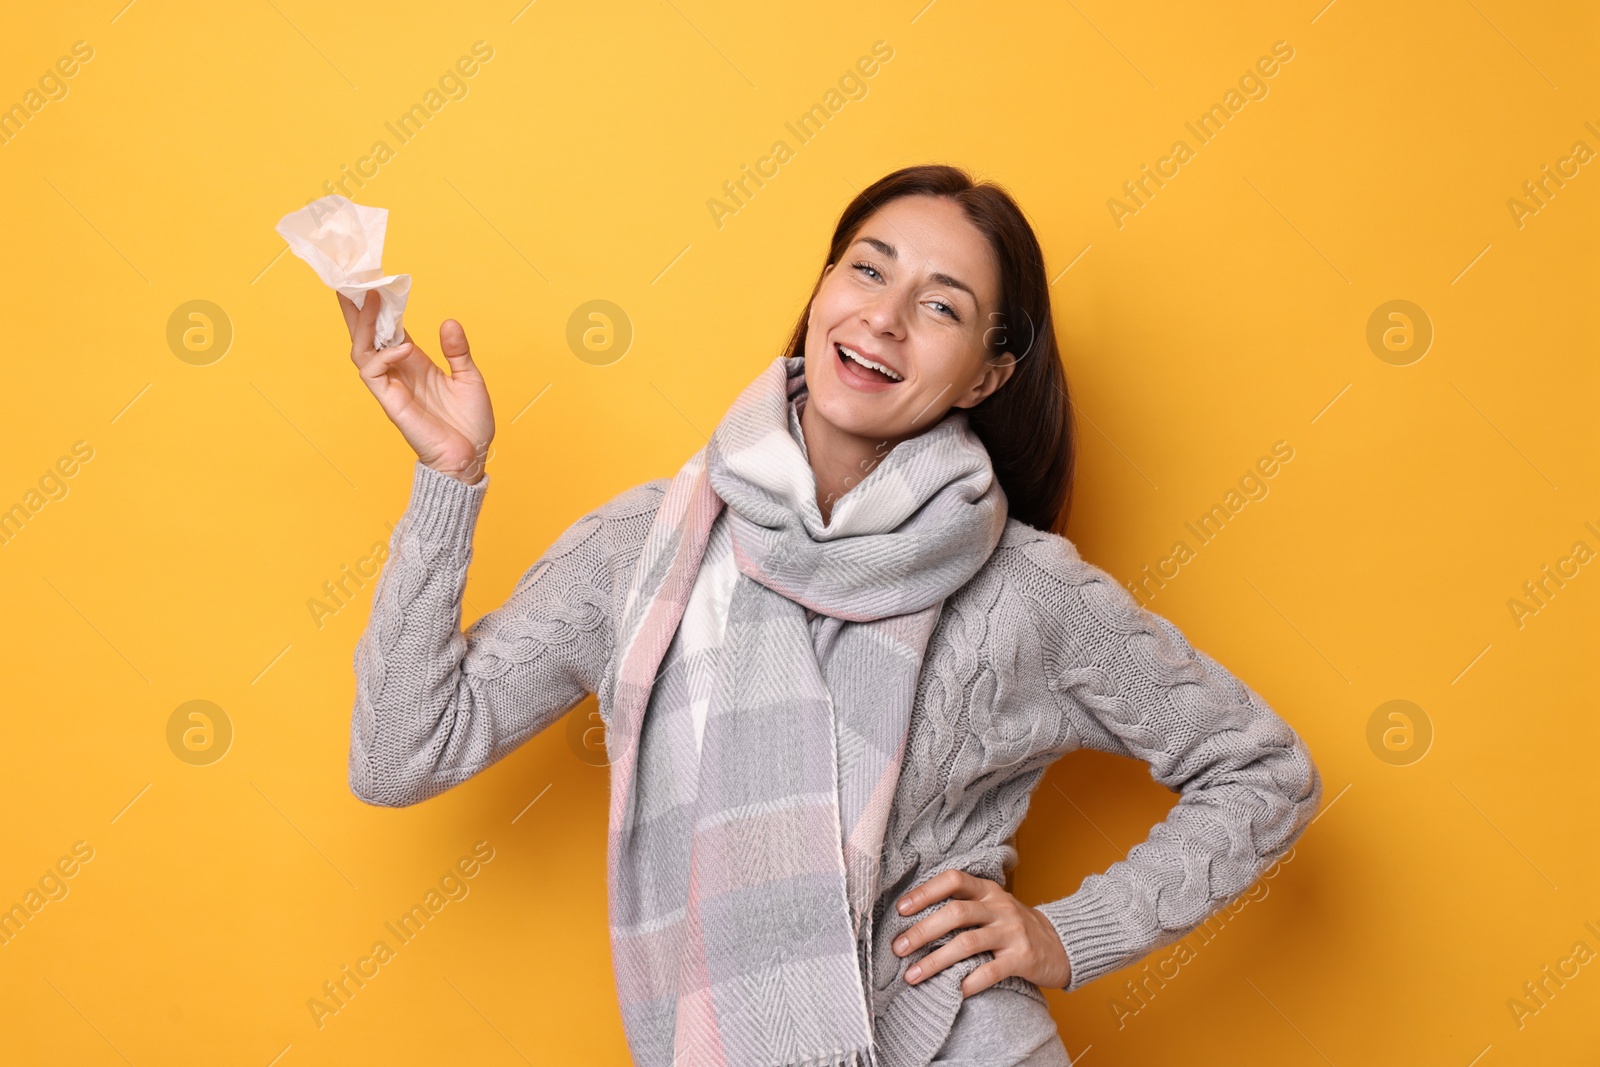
(343,242)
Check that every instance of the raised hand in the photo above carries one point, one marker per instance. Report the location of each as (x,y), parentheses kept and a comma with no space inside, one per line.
(445,418)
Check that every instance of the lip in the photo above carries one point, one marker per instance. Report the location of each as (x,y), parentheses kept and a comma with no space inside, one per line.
(851,373)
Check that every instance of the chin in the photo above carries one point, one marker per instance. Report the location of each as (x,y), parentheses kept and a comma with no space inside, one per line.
(845,410)
(847,417)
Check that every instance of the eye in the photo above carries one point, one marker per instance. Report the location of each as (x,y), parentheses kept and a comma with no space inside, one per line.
(867,267)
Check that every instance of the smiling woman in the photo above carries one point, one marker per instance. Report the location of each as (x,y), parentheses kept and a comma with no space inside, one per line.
(897,334)
(834,655)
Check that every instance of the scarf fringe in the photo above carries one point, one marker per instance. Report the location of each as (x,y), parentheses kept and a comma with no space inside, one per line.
(853,1058)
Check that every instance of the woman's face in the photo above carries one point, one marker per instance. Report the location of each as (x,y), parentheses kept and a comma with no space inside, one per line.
(915,293)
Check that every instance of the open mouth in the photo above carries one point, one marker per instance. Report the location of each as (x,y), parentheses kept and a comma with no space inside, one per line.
(864,369)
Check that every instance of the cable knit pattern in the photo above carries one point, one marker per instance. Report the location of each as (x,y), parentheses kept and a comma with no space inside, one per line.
(1039,654)
(435,706)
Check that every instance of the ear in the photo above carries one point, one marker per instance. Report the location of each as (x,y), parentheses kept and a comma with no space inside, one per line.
(996,372)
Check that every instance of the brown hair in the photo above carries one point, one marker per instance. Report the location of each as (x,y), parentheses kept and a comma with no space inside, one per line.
(1026,425)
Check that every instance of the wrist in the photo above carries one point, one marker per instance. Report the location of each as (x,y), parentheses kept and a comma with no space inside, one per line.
(1059,967)
(470,474)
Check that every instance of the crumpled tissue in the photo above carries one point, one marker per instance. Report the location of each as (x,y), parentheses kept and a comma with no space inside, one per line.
(343,242)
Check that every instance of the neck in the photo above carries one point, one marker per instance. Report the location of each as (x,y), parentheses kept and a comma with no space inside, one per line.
(839,459)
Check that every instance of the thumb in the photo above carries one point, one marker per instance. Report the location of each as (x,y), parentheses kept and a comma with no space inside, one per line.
(453,342)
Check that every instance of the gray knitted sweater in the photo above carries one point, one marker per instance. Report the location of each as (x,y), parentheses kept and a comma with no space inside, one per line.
(1039,654)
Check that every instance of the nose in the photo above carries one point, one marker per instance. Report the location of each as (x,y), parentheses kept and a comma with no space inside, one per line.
(884,312)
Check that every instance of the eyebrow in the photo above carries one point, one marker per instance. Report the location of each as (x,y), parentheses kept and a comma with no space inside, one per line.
(943,279)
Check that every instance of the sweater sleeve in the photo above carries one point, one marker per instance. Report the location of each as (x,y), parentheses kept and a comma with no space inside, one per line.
(1128,682)
(434,706)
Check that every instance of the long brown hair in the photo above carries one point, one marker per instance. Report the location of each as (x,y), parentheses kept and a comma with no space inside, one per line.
(1026,424)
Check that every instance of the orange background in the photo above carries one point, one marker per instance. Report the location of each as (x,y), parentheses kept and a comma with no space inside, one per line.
(225,484)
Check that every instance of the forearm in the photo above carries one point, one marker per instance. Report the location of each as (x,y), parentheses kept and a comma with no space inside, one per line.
(1212,847)
(435,706)
(1130,683)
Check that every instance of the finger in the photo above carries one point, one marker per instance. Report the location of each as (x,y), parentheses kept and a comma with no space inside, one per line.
(982,977)
(958,948)
(453,341)
(366,330)
(348,307)
(936,888)
(951,916)
(378,364)
(954,882)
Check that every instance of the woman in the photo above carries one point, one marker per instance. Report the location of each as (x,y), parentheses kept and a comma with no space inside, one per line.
(834,656)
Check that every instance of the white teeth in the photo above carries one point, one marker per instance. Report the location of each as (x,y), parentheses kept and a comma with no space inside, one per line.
(865,362)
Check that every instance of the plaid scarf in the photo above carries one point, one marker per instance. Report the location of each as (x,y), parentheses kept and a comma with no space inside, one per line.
(741,883)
